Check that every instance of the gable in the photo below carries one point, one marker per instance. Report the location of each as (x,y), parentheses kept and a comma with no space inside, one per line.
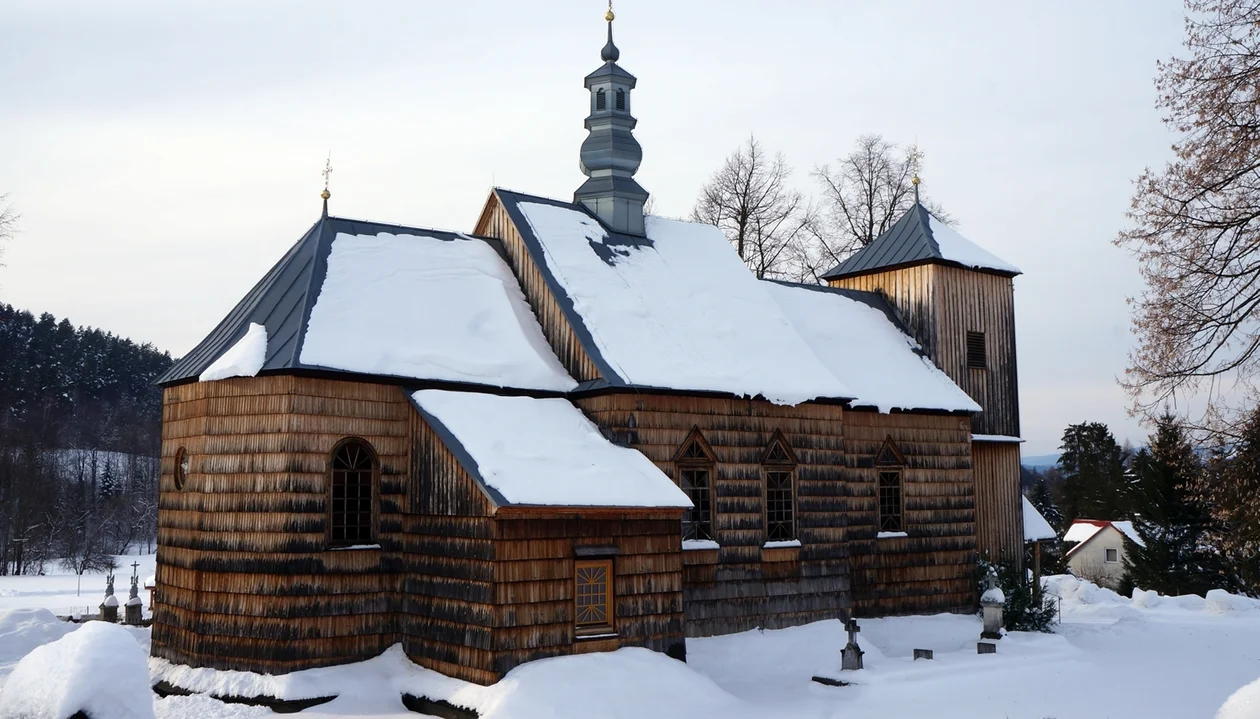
(889,455)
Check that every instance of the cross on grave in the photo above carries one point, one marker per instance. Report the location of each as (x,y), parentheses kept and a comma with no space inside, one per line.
(852,628)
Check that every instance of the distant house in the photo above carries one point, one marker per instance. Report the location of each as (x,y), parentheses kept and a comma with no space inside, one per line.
(1099,556)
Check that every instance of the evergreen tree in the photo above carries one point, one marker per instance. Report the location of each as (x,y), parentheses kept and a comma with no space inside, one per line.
(1039,496)
(1092,465)
(1173,523)
(1229,487)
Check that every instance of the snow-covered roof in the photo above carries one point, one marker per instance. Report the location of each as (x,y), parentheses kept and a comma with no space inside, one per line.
(918,237)
(1083,530)
(413,305)
(855,336)
(384,300)
(1036,528)
(528,451)
(676,309)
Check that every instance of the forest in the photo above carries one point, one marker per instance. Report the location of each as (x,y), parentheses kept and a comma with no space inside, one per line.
(79,438)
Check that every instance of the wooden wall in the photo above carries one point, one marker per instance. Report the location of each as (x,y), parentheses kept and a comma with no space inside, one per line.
(495,222)
(940,304)
(933,568)
(741,585)
(241,547)
(534,582)
(999,503)
(447,603)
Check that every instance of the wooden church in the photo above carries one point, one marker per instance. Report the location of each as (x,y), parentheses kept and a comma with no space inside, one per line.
(578,428)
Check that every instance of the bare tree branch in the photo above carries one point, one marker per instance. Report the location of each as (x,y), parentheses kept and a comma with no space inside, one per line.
(8,223)
(767,221)
(1196,232)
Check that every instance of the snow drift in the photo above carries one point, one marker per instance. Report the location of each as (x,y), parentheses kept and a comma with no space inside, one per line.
(98,669)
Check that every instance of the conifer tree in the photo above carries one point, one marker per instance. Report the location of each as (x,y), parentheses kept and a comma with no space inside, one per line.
(1173,523)
(1041,497)
(1092,465)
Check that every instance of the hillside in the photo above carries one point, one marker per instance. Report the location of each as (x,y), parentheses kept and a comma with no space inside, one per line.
(80,420)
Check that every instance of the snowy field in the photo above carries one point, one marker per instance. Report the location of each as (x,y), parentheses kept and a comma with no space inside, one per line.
(60,593)
(1149,657)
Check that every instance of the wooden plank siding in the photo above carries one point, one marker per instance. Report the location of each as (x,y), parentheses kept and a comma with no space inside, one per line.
(933,568)
(534,584)
(741,585)
(242,548)
(495,222)
(999,504)
(940,304)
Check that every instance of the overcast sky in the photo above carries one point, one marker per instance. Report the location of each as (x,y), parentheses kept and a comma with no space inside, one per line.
(164,155)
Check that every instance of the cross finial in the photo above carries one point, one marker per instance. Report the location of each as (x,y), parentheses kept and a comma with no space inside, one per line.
(134,566)
(327,173)
(916,157)
(609,16)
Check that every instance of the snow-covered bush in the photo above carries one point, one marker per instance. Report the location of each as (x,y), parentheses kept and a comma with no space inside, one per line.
(98,669)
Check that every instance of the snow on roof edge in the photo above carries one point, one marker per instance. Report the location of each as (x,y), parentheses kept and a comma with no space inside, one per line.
(1036,528)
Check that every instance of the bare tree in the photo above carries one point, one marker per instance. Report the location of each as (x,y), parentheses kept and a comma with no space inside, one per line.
(8,222)
(867,191)
(1196,232)
(769,222)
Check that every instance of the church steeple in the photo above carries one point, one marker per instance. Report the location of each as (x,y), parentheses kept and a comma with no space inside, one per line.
(610,154)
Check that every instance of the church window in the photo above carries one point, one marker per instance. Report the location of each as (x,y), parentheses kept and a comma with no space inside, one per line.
(601,99)
(890,501)
(351,493)
(593,595)
(621,99)
(890,463)
(181,467)
(976,358)
(779,468)
(695,475)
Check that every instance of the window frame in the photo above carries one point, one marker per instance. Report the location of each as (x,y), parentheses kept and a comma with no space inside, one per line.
(774,465)
(890,462)
(619,99)
(180,473)
(1113,552)
(609,625)
(373,498)
(601,100)
(685,462)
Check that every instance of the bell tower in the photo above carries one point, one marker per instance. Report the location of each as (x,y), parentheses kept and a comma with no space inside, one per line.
(610,154)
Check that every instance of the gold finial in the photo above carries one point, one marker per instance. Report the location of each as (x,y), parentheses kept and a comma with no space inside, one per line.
(609,16)
(327,174)
(915,180)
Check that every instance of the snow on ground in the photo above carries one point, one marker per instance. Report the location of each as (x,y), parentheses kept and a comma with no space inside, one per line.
(545,451)
(98,669)
(1151,657)
(424,307)
(56,590)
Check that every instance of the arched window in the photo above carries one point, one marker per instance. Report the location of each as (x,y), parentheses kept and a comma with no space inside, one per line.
(621,99)
(889,463)
(601,100)
(695,463)
(351,494)
(778,467)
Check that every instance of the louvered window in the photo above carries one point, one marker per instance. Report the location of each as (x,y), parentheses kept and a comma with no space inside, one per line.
(621,99)
(601,99)
(976,357)
(351,492)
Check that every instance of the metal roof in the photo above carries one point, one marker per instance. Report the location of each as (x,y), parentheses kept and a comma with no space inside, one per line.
(908,242)
(282,300)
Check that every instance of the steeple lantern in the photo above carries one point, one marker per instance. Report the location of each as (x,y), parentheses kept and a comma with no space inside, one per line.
(610,155)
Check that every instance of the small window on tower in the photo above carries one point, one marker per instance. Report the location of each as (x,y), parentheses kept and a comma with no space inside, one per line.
(976,358)
(621,99)
(601,99)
